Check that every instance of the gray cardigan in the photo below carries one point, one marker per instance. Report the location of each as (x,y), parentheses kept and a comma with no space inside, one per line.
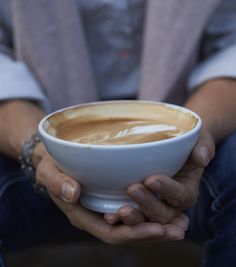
(48,38)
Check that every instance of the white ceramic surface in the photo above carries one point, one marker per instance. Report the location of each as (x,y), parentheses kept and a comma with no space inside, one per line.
(106,171)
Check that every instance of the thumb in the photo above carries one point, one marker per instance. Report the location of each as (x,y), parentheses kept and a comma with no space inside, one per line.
(56,182)
(204,150)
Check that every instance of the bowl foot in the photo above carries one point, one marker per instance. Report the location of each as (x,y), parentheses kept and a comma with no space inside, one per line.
(105,203)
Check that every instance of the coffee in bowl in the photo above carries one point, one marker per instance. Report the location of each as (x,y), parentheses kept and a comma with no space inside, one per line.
(108,146)
(120,123)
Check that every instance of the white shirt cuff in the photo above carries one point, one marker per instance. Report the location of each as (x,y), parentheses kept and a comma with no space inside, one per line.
(221,64)
(16,81)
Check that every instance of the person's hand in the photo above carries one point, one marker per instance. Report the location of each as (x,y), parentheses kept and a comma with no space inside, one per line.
(145,232)
(52,178)
(174,194)
(140,228)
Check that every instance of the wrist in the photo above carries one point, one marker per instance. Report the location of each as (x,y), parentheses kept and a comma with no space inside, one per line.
(214,101)
(206,102)
(20,120)
(26,160)
(209,124)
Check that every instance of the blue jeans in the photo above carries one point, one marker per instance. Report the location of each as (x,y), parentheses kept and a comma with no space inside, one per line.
(213,218)
(27,218)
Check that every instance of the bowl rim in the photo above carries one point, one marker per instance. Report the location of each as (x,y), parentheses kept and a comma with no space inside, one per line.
(57,140)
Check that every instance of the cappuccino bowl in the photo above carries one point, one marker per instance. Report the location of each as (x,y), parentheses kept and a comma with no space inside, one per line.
(106,164)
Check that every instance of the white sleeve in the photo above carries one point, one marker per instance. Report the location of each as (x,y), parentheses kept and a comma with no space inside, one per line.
(16,81)
(221,64)
(218,47)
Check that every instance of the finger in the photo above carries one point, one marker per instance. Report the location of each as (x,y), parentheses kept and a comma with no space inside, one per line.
(56,182)
(154,209)
(127,214)
(175,229)
(130,216)
(204,150)
(145,232)
(173,232)
(94,224)
(181,192)
(111,218)
(182,221)
(81,217)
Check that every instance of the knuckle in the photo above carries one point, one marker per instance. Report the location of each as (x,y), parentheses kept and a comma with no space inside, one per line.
(175,202)
(40,177)
(59,179)
(162,220)
(40,170)
(159,219)
(53,187)
(192,198)
(55,182)
(178,200)
(163,179)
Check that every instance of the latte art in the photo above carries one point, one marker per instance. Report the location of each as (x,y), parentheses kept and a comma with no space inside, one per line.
(132,134)
(146,129)
(116,131)
(120,124)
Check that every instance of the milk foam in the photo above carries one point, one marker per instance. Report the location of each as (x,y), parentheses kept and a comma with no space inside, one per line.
(122,134)
(120,123)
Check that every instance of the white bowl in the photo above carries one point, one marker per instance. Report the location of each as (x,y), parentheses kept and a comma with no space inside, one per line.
(105,171)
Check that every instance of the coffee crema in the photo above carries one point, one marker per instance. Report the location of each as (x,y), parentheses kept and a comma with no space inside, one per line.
(130,122)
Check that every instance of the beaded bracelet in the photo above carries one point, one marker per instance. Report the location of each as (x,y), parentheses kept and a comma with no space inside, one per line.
(25,160)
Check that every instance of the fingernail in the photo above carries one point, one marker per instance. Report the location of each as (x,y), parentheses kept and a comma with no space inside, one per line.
(205,154)
(110,219)
(138,195)
(180,237)
(67,191)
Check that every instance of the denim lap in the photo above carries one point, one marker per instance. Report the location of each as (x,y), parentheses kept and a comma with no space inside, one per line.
(27,218)
(213,218)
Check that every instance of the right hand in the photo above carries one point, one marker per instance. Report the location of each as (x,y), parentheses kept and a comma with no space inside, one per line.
(50,176)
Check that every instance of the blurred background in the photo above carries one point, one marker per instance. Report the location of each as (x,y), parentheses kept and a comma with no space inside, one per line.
(86,254)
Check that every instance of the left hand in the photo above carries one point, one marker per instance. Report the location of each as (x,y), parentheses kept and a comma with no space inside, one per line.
(145,232)
(176,194)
